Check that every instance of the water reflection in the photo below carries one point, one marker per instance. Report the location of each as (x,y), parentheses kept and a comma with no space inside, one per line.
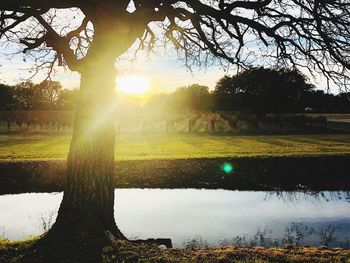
(299,234)
(202,218)
(298,196)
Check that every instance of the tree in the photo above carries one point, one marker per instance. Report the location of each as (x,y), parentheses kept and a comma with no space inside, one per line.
(67,99)
(312,34)
(42,96)
(264,90)
(6,97)
(48,93)
(24,96)
(45,96)
(190,98)
(226,95)
(342,102)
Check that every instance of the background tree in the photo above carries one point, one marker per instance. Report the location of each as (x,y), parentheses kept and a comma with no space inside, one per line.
(342,102)
(23,96)
(312,34)
(226,95)
(47,94)
(67,99)
(44,96)
(264,90)
(194,97)
(319,101)
(6,97)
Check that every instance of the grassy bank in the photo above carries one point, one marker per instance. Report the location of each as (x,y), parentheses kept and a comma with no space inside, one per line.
(14,147)
(125,252)
(35,162)
(248,173)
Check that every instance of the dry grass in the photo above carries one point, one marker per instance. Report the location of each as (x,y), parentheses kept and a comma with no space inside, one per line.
(126,252)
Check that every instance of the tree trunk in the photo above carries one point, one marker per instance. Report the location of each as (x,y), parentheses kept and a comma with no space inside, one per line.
(85,219)
(85,222)
(89,192)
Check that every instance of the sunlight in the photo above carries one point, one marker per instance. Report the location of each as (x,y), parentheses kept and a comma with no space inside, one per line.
(133,85)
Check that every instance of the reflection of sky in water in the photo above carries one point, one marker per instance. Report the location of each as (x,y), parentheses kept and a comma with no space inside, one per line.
(182,214)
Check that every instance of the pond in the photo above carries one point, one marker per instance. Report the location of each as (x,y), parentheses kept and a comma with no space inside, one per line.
(200,217)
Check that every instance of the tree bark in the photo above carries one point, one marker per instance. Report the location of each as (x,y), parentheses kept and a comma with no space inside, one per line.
(85,222)
(89,191)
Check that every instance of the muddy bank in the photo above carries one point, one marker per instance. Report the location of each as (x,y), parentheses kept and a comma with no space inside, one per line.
(253,173)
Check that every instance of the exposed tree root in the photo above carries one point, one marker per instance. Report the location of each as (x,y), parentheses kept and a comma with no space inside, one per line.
(79,242)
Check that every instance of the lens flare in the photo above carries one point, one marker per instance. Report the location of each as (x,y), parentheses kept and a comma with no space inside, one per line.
(227,168)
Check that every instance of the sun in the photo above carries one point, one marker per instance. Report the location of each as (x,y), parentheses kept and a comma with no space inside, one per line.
(133,85)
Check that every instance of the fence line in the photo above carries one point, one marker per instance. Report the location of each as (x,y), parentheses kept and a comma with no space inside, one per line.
(223,121)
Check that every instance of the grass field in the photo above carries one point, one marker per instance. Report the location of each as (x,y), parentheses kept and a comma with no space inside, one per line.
(179,146)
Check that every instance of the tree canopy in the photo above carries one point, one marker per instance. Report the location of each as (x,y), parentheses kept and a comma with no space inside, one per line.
(311,34)
(264,90)
(47,95)
(185,99)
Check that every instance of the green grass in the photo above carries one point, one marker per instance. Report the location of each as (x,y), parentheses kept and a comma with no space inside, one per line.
(178,146)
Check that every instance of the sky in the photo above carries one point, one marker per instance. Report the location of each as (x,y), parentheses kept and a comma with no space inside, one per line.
(164,72)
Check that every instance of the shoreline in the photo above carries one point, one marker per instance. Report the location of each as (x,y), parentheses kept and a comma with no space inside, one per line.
(325,172)
(299,173)
(124,251)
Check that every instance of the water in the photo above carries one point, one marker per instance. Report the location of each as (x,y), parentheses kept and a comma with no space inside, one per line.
(200,218)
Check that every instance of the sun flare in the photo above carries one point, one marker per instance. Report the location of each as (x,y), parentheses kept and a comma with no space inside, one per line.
(133,85)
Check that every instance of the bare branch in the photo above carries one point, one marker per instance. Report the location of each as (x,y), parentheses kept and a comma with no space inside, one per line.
(310,34)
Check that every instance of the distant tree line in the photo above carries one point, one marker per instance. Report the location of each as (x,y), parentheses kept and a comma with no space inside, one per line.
(45,96)
(45,105)
(257,90)
(237,99)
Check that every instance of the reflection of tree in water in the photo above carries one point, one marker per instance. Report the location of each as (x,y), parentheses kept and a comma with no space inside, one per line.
(47,220)
(305,194)
(327,235)
(297,234)
(261,238)
(2,234)
(196,242)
